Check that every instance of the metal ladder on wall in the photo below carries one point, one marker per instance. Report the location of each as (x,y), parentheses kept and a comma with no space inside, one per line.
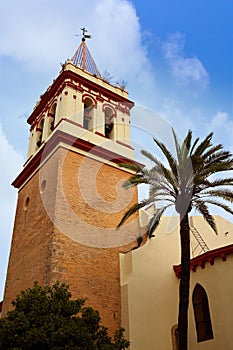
(200,241)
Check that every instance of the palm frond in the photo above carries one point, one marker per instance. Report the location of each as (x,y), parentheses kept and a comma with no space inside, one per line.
(162,197)
(162,189)
(203,145)
(211,151)
(169,157)
(154,221)
(217,167)
(227,181)
(203,209)
(169,176)
(185,148)
(225,194)
(177,145)
(217,157)
(159,171)
(133,210)
(134,181)
(149,156)
(193,146)
(220,205)
(132,166)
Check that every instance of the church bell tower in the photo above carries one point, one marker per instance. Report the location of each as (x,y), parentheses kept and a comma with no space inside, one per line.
(70,195)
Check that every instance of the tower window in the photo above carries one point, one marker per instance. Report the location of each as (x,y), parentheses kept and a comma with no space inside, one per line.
(88,114)
(51,116)
(202,314)
(40,133)
(108,113)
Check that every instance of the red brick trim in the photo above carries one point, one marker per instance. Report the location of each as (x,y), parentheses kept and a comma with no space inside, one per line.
(201,260)
(60,136)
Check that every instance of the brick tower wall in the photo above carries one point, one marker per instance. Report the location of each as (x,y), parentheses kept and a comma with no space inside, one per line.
(31,245)
(67,232)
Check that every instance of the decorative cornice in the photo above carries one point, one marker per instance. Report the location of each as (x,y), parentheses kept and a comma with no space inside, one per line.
(61,81)
(53,142)
(202,259)
(100,98)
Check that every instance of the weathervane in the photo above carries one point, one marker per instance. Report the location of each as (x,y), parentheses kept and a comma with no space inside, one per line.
(85,36)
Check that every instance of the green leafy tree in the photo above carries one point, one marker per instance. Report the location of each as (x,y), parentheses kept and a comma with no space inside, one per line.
(47,318)
(187,182)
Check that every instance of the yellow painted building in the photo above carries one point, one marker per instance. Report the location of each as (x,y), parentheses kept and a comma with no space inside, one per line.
(150,285)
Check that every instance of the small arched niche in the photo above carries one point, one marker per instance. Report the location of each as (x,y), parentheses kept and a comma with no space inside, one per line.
(26,204)
(109,122)
(88,113)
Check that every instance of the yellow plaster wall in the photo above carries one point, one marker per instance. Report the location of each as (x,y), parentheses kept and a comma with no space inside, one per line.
(152,287)
(150,290)
(224,227)
(217,281)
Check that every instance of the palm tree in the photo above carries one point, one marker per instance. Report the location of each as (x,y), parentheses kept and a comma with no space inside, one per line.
(187,182)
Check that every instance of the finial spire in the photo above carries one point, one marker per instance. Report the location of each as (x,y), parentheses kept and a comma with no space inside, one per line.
(83,58)
(85,36)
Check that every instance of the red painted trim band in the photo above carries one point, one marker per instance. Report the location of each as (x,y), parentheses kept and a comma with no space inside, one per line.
(60,136)
(201,260)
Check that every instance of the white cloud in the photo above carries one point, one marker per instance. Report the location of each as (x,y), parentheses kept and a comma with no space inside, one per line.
(41,35)
(222,126)
(179,115)
(183,69)
(11,162)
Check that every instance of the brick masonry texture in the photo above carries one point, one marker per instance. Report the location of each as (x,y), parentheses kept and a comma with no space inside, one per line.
(80,197)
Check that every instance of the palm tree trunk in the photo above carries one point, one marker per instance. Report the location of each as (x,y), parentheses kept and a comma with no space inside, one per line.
(184,283)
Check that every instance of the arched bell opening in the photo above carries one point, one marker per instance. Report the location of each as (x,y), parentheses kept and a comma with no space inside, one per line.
(39,132)
(88,114)
(51,116)
(109,122)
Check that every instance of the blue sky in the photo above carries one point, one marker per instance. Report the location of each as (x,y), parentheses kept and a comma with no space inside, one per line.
(176,57)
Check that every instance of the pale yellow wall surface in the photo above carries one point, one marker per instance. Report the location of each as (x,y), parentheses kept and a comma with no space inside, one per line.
(224,236)
(150,291)
(218,283)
